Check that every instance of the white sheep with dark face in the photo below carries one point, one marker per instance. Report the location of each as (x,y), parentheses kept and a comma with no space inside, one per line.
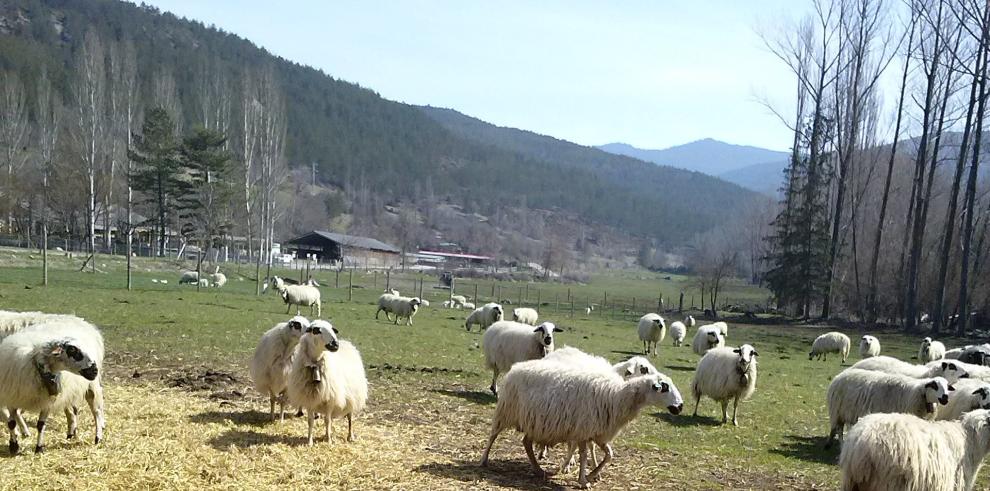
(652,330)
(725,374)
(273,358)
(506,343)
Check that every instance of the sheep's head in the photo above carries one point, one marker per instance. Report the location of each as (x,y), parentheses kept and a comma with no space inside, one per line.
(983,397)
(636,366)
(714,338)
(659,322)
(662,392)
(951,371)
(66,354)
(544,333)
(926,341)
(747,357)
(936,391)
(298,325)
(322,332)
(498,313)
(689,320)
(414,303)
(867,340)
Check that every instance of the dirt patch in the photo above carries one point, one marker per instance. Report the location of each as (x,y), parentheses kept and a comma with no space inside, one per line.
(219,384)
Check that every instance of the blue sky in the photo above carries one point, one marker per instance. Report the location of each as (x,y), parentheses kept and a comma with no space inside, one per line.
(651,73)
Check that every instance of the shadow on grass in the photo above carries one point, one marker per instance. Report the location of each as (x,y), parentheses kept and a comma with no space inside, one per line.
(628,353)
(247,439)
(808,449)
(678,368)
(250,417)
(475,396)
(685,419)
(516,474)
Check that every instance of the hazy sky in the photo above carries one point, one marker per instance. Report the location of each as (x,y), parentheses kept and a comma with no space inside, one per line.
(650,73)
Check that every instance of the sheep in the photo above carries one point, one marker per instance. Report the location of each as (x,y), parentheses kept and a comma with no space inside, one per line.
(974,371)
(506,343)
(385,303)
(447,304)
(930,351)
(164,282)
(458,300)
(301,295)
(707,338)
(901,452)
(854,393)
(189,278)
(587,311)
(633,367)
(970,394)
(327,377)
(273,359)
(869,346)
(465,305)
(949,370)
(830,342)
(689,321)
(977,355)
(722,328)
(525,315)
(484,316)
(551,403)
(393,291)
(11,322)
(405,307)
(424,302)
(652,330)
(955,353)
(724,374)
(54,365)
(203,282)
(677,332)
(219,279)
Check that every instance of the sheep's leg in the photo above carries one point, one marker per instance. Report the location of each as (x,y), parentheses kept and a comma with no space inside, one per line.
(493,388)
(288,307)
(565,464)
(528,445)
(350,428)
(12,444)
(836,432)
(646,348)
(281,406)
(583,466)
(319,309)
(725,411)
(735,407)
(71,421)
(697,402)
(606,458)
(19,417)
(594,458)
(326,427)
(488,448)
(94,397)
(310,420)
(42,420)
(271,405)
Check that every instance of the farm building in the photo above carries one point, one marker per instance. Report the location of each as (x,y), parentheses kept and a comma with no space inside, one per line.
(352,251)
(453,259)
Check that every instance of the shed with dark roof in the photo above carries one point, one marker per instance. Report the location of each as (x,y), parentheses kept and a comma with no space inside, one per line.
(353,251)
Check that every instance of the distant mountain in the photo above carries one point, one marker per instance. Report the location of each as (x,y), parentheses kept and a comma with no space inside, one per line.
(763,178)
(710,156)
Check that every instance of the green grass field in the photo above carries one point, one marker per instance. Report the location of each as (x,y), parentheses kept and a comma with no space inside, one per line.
(182,414)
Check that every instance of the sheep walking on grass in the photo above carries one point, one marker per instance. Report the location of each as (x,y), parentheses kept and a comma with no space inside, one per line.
(405,307)
(901,452)
(385,301)
(506,343)
(949,370)
(677,332)
(725,374)
(301,296)
(930,351)
(273,359)
(707,337)
(484,316)
(830,342)
(327,378)
(689,321)
(652,330)
(869,347)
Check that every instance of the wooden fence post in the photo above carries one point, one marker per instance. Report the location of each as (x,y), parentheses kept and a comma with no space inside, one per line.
(350,285)
(375,275)
(388,279)
(556,302)
(604,302)
(539,298)
(476,294)
(680,304)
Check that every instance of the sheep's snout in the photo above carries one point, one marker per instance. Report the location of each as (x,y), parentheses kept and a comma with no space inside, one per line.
(547,341)
(90,372)
(944,399)
(332,347)
(675,410)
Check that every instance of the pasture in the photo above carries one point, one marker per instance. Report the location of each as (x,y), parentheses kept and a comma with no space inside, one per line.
(182,413)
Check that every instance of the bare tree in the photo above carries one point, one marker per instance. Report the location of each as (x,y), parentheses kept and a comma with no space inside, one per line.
(48,120)
(251,111)
(90,106)
(125,106)
(13,132)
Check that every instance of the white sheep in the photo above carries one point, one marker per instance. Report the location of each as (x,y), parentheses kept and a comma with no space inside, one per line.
(722,328)
(484,316)
(506,343)
(975,371)
(949,370)
(869,346)
(689,321)
(465,305)
(707,337)
(424,302)
(955,353)
(901,452)
(405,307)
(385,302)
(587,311)
(301,295)
(970,394)
(854,393)
(219,279)
(447,304)
(273,359)
(725,374)
(203,282)
(327,377)
(52,366)
(677,332)
(458,300)
(11,322)
(652,330)
(525,315)
(189,278)
(930,351)
(830,342)
(551,403)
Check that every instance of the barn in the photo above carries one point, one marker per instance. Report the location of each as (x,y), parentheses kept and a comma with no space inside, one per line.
(352,251)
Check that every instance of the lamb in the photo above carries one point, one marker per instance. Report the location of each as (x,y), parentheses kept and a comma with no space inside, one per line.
(594,407)
(189,278)
(830,342)
(724,374)
(273,359)
(301,295)
(652,330)
(458,300)
(901,452)
(54,365)
(854,393)
(385,301)
(722,328)
(327,377)
(465,305)
(949,370)
(869,346)
(506,343)
(677,332)
(219,279)
(707,338)
(525,315)
(689,321)
(930,351)
(970,394)
(203,282)
(405,307)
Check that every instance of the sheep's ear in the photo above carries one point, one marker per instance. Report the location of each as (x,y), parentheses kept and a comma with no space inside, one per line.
(736,351)
(946,365)
(538,329)
(931,385)
(755,353)
(335,331)
(951,388)
(557,329)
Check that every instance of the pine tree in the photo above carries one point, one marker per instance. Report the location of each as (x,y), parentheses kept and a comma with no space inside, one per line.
(206,187)
(157,167)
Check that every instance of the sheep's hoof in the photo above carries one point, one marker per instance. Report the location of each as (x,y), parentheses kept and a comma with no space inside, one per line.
(96,441)
(70,435)
(39,449)
(14,447)
(583,484)
(300,413)
(494,391)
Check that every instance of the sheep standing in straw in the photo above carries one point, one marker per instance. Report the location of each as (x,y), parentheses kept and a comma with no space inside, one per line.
(327,377)
(901,452)
(273,359)
(652,330)
(725,374)
(930,351)
(506,343)
(949,370)
(855,393)
(869,347)
(830,342)
(707,338)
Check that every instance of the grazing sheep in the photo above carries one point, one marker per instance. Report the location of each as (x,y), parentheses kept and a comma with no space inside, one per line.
(219,279)
(689,321)
(551,403)
(706,338)
(484,316)
(189,278)
(458,300)
(677,332)
(854,393)
(301,295)
(949,370)
(203,282)
(869,346)
(405,307)
(164,282)
(901,452)
(525,315)
(506,343)
(327,377)
(970,394)
(51,366)
(652,330)
(385,302)
(273,359)
(465,305)
(830,342)
(930,351)
(722,328)
(725,374)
